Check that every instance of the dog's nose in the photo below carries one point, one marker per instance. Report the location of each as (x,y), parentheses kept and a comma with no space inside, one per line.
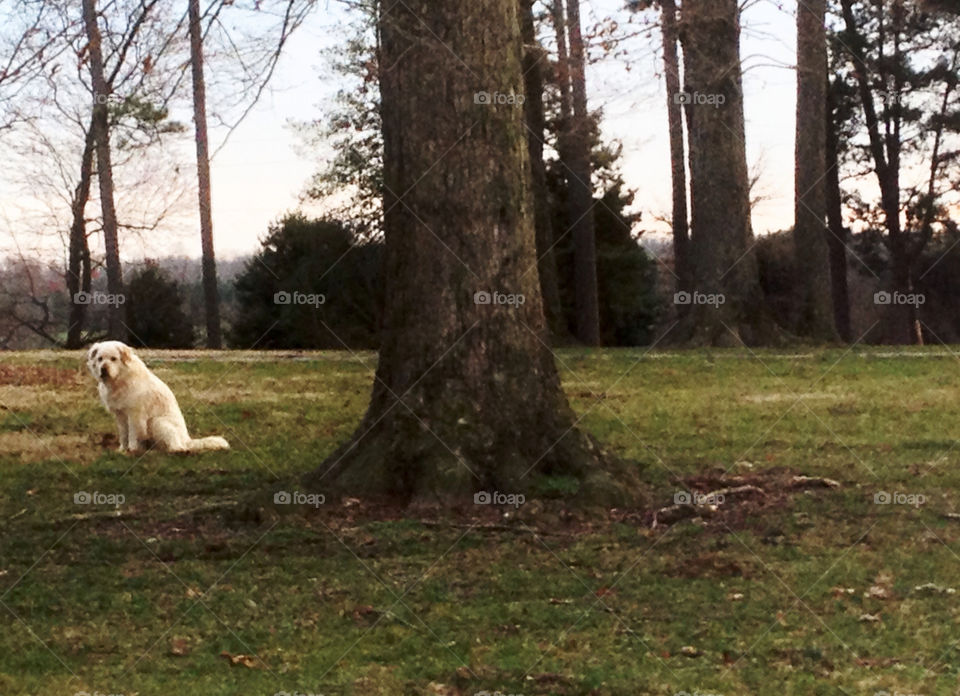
(103,372)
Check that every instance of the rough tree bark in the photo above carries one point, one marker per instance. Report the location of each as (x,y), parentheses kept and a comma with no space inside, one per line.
(678,150)
(721,256)
(211,297)
(579,176)
(78,260)
(466,395)
(815,318)
(836,232)
(101,134)
(534,58)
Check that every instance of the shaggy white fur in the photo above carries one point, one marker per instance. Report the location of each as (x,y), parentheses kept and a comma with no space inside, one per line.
(146,410)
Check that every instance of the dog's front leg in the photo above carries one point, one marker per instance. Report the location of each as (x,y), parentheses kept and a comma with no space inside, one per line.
(123,430)
(136,432)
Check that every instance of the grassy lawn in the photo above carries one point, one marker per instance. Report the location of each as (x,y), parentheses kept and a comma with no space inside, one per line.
(806,591)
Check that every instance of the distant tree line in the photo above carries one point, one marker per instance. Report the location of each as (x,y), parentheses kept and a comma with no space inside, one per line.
(871,255)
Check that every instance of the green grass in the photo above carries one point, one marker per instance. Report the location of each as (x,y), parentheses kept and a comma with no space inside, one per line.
(815,594)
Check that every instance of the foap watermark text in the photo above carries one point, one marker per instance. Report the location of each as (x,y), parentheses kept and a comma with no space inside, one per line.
(498,498)
(694,498)
(696,297)
(99,298)
(482,297)
(913,299)
(498,98)
(299,498)
(98,498)
(899,498)
(298,298)
(700,99)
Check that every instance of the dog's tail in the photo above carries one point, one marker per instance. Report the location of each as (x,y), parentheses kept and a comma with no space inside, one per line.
(202,444)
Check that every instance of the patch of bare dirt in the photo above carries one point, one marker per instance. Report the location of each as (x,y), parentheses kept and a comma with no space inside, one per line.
(736,501)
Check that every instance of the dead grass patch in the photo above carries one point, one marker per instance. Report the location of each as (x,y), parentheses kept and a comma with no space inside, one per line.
(30,447)
(28,375)
(777,397)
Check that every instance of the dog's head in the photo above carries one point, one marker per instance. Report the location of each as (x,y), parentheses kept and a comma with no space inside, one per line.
(107,359)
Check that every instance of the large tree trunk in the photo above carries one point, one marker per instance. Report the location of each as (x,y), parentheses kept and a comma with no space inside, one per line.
(533,60)
(211,297)
(809,233)
(78,260)
(678,150)
(836,232)
(466,395)
(725,303)
(580,189)
(101,134)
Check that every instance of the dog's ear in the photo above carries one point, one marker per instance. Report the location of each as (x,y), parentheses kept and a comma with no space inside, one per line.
(126,355)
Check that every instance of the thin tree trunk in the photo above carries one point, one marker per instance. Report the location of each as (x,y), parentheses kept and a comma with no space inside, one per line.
(466,396)
(836,232)
(809,231)
(533,60)
(726,305)
(563,70)
(581,190)
(211,297)
(678,150)
(888,178)
(78,264)
(101,134)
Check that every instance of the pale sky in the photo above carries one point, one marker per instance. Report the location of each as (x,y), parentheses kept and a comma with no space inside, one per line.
(260,173)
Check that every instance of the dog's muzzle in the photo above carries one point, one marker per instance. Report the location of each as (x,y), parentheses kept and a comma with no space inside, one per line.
(104,373)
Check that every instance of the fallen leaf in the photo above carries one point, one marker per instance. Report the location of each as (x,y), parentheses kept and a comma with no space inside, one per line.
(179,647)
(364,612)
(249,661)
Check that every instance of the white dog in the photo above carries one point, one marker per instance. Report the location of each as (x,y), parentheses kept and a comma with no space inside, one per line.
(146,410)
